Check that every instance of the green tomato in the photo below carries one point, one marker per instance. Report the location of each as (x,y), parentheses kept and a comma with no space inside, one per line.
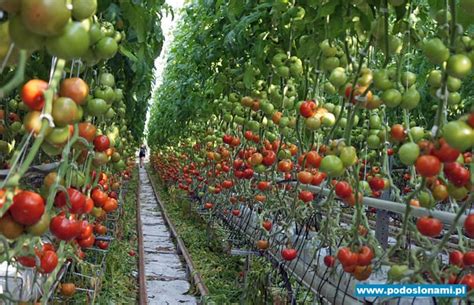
(72,43)
(408,153)
(435,78)
(426,199)
(97,107)
(397,272)
(410,99)
(348,155)
(381,80)
(330,63)
(436,51)
(328,119)
(458,135)
(408,79)
(106,48)
(454,98)
(41,227)
(338,77)
(375,122)
(107,79)
(373,142)
(417,133)
(392,98)
(454,84)
(332,166)
(458,193)
(459,66)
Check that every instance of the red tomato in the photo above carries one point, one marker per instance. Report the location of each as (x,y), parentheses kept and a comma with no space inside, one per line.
(469,226)
(429,226)
(456,258)
(87,131)
(227,139)
(101,143)
(86,242)
(306,196)
(329,261)
(445,153)
(365,256)
(102,244)
(468,258)
(289,254)
(343,189)
(64,228)
(428,165)
(48,261)
(318,178)
(86,230)
(398,132)
(32,94)
(468,280)
(227,184)
(269,157)
(267,225)
(285,166)
(377,184)
(99,197)
(305,177)
(263,185)
(27,261)
(347,257)
(313,159)
(89,205)
(27,208)
(456,173)
(308,109)
(76,198)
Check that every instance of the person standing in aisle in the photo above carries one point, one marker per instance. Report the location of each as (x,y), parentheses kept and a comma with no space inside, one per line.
(142,154)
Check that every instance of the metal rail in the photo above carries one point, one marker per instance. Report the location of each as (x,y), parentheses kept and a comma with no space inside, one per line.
(395,207)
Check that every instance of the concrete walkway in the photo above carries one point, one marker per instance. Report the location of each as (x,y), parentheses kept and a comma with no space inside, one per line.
(166,280)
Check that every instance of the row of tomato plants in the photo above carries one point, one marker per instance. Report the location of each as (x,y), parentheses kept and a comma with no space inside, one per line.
(60,105)
(352,114)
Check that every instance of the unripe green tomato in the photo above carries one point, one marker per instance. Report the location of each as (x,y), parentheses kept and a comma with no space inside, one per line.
(397,272)
(454,84)
(343,122)
(458,135)
(329,88)
(436,51)
(330,63)
(332,166)
(426,199)
(373,142)
(454,98)
(458,193)
(392,98)
(328,119)
(348,155)
(381,80)
(417,133)
(375,122)
(408,79)
(435,78)
(410,99)
(408,153)
(459,66)
(312,123)
(13,105)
